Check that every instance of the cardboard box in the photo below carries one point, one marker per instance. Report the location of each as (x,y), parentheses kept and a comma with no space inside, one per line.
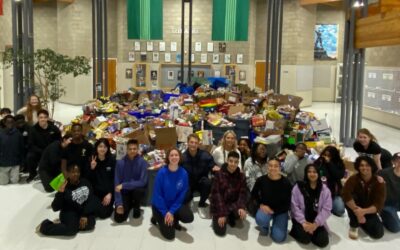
(166,138)
(231,98)
(183,132)
(236,109)
(140,135)
(288,100)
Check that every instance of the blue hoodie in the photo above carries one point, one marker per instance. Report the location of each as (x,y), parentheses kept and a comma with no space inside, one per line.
(170,189)
(132,174)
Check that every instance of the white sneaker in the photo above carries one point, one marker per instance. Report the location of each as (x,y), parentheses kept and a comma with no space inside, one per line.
(353,233)
(204,212)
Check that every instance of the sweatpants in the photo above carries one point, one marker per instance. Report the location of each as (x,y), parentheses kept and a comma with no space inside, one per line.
(373,225)
(203,186)
(221,231)
(130,199)
(319,238)
(9,174)
(184,214)
(69,225)
(46,178)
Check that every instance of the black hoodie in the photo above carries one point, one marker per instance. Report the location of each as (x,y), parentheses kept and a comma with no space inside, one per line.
(40,138)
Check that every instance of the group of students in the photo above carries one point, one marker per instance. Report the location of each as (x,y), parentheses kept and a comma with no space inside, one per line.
(236,179)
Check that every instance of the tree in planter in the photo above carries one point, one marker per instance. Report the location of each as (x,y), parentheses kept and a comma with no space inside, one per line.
(49,68)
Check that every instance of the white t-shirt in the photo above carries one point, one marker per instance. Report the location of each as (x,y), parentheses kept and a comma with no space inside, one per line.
(220,156)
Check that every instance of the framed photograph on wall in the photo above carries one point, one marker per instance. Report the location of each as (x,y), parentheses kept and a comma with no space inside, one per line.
(143,56)
(210,47)
(193,58)
(171,76)
(217,73)
(173,46)
(137,46)
(200,74)
(149,46)
(222,47)
(153,75)
(215,58)
(131,56)
(197,47)
(156,57)
(128,73)
(141,75)
(239,58)
(203,58)
(242,75)
(227,58)
(326,42)
(178,58)
(167,57)
(179,77)
(161,46)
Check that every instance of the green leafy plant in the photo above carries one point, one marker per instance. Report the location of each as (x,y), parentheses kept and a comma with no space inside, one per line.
(49,68)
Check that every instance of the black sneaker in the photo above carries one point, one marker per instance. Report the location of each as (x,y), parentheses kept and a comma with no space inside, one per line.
(153,221)
(29,179)
(178,227)
(136,213)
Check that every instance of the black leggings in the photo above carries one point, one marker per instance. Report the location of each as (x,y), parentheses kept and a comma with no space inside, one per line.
(183,214)
(131,199)
(373,225)
(69,225)
(203,185)
(319,238)
(221,231)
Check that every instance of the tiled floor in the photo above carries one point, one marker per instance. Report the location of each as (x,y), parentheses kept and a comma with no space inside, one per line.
(24,206)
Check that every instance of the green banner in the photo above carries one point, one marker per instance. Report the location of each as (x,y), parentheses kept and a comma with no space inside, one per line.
(145,19)
(230,20)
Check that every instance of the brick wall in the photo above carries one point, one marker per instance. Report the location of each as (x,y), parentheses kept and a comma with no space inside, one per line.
(5,26)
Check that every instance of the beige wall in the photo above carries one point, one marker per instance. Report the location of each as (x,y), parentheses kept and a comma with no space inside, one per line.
(5,26)
(383,56)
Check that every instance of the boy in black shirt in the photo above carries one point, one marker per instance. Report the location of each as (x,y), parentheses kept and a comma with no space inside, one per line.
(78,151)
(42,134)
(50,163)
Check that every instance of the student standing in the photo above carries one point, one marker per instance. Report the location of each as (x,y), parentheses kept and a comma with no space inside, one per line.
(11,151)
(170,188)
(310,208)
(228,195)
(364,197)
(30,111)
(130,182)
(273,191)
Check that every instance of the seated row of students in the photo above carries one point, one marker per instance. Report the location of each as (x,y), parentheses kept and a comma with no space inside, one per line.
(326,167)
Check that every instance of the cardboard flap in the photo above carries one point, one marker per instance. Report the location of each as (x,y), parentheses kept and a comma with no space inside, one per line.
(140,135)
(288,100)
(166,138)
(236,109)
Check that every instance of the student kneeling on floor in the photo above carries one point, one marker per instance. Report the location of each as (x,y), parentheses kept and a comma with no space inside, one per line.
(130,183)
(11,150)
(170,188)
(228,195)
(76,204)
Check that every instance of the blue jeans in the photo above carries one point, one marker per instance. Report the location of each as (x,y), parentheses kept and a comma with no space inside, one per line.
(338,206)
(390,219)
(279,224)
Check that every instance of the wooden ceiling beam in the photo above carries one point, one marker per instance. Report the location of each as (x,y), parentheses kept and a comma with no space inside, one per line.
(378,30)
(311,2)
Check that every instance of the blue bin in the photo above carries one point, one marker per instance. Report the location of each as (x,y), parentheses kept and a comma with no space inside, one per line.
(218,82)
(168,96)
